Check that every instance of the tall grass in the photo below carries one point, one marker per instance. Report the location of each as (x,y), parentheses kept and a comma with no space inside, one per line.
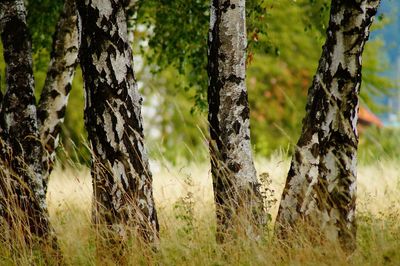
(184,199)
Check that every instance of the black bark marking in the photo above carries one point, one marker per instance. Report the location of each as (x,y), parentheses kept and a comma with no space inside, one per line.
(236,127)
(61,113)
(245,113)
(234,167)
(235,79)
(234,177)
(64,58)
(21,166)
(242,99)
(117,138)
(42,115)
(331,120)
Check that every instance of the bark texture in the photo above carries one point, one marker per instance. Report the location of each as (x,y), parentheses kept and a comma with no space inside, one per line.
(120,168)
(22,169)
(54,98)
(321,185)
(236,188)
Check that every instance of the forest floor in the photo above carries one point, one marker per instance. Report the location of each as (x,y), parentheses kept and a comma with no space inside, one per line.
(184,202)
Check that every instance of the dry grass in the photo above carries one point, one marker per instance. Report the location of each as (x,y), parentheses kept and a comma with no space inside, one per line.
(184,201)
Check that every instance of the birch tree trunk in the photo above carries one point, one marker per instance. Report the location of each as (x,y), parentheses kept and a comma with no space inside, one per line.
(321,185)
(55,93)
(120,167)
(236,188)
(23,194)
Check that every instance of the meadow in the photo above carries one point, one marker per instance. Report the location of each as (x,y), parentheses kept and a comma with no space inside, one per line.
(184,199)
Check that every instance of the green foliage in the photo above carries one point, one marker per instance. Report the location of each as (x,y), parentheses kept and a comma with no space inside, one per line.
(317,14)
(375,83)
(278,82)
(172,131)
(284,45)
(178,32)
(285,42)
(42,20)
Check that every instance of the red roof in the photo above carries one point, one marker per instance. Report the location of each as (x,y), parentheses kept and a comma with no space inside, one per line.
(367,117)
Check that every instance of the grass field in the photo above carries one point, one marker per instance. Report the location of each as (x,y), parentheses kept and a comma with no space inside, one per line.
(184,201)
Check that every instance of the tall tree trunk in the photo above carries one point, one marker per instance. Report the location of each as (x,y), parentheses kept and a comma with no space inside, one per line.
(122,179)
(236,188)
(55,93)
(22,168)
(321,185)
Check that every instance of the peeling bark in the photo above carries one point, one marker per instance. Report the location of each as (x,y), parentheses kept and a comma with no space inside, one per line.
(54,97)
(122,179)
(22,191)
(236,188)
(321,185)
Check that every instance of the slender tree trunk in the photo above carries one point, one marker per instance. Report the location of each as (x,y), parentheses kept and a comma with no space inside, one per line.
(22,168)
(321,185)
(236,188)
(122,180)
(54,97)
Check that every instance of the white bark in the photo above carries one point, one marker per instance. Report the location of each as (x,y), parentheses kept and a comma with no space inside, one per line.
(321,185)
(54,97)
(22,171)
(236,187)
(120,168)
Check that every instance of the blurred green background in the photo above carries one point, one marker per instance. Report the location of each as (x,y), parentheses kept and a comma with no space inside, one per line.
(170,46)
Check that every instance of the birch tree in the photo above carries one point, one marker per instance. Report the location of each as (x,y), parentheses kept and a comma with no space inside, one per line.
(236,188)
(19,130)
(321,185)
(122,180)
(54,97)
(23,172)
